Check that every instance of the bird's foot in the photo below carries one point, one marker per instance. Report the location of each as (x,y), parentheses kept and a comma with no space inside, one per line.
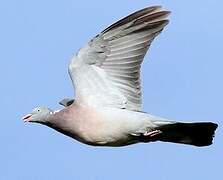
(152,133)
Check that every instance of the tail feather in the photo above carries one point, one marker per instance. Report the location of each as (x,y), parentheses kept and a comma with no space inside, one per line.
(197,134)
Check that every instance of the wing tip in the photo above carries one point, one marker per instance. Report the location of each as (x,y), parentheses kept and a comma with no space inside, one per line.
(137,15)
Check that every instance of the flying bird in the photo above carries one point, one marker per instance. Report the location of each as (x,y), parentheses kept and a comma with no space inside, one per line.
(105,73)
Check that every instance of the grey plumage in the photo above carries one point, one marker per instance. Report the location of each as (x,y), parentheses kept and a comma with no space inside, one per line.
(106,76)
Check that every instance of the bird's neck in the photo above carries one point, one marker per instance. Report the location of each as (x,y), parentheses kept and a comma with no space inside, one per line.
(56,118)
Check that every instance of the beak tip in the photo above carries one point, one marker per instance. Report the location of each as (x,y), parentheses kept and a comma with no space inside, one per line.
(26,118)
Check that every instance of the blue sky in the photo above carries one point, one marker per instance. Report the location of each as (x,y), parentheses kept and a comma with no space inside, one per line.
(182,80)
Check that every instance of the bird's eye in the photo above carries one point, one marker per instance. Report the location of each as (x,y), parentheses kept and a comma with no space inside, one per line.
(38,110)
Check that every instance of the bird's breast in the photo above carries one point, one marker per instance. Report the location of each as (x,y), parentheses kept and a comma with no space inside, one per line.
(96,126)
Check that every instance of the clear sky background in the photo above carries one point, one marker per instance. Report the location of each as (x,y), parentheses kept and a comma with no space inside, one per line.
(182,80)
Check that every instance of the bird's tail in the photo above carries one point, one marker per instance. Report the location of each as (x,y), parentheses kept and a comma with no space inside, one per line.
(197,134)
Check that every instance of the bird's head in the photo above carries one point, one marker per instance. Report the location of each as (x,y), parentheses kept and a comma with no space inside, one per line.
(38,115)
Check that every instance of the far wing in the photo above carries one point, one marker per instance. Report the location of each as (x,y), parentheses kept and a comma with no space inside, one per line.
(106,72)
(66,102)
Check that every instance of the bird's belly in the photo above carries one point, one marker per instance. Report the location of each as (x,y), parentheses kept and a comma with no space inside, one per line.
(107,141)
(103,135)
(102,129)
(103,126)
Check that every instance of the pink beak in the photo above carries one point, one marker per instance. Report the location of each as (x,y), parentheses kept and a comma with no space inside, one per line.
(27,117)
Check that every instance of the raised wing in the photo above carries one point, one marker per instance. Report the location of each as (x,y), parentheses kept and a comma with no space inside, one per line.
(106,72)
